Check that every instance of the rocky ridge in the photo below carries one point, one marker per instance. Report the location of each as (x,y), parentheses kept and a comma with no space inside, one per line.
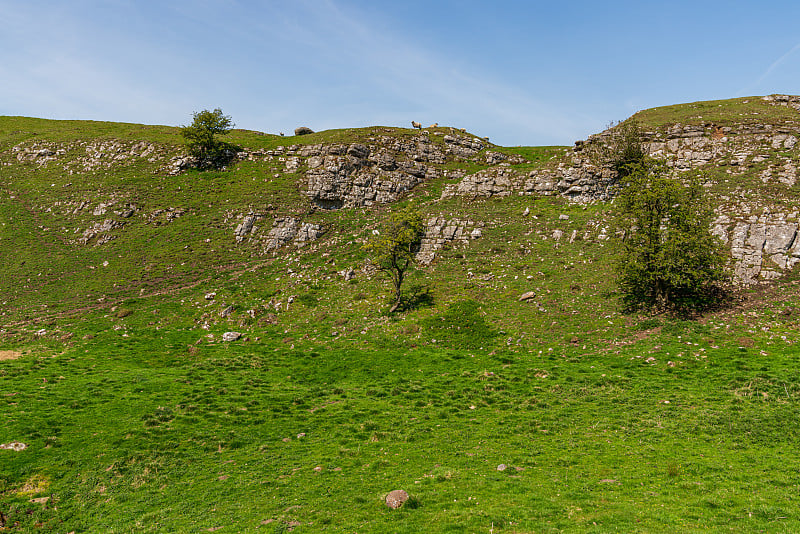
(384,166)
(761,233)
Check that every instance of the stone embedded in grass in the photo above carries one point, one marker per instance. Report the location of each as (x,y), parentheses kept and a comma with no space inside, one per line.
(502,467)
(527,296)
(15,446)
(396,498)
(231,336)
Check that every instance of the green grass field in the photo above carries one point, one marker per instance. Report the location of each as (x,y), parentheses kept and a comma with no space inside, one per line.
(145,429)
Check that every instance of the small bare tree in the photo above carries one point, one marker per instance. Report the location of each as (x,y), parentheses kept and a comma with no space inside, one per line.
(393,251)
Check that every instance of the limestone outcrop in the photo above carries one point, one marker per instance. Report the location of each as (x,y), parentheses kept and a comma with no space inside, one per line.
(346,177)
(441,233)
(762,246)
(378,171)
(288,230)
(284,231)
(580,181)
(761,232)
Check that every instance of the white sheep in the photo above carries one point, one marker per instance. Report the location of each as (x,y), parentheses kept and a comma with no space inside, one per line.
(416,125)
(434,125)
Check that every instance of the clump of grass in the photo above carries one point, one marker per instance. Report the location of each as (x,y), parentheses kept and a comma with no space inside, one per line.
(461,326)
(673,469)
(308,300)
(412,503)
(410,329)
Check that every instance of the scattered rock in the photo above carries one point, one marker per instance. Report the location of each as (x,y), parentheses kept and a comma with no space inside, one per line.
(529,295)
(303,130)
(101,231)
(15,446)
(347,274)
(231,336)
(396,498)
(246,227)
(502,467)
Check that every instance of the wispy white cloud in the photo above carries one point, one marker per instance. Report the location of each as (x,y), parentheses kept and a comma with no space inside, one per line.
(745,91)
(272,65)
(399,80)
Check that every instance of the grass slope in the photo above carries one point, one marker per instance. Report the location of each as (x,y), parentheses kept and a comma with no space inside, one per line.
(140,419)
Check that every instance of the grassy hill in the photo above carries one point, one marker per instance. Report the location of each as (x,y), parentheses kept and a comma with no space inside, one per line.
(560,413)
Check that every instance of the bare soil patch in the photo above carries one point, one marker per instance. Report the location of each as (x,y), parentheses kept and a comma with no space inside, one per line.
(9,355)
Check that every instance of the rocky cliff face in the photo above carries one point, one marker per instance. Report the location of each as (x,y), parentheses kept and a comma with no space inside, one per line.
(580,180)
(760,230)
(377,172)
(743,161)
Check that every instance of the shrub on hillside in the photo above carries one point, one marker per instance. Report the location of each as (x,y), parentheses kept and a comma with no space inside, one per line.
(669,260)
(202,142)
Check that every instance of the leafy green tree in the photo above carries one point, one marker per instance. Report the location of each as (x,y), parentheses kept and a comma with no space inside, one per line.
(202,142)
(393,251)
(669,259)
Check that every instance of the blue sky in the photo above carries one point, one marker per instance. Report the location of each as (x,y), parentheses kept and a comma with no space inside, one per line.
(520,72)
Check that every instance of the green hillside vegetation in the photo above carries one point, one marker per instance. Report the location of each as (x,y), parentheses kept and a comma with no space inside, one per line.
(558,413)
(745,110)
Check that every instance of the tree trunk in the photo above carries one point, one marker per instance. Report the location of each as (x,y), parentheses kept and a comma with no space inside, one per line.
(397,294)
(662,298)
